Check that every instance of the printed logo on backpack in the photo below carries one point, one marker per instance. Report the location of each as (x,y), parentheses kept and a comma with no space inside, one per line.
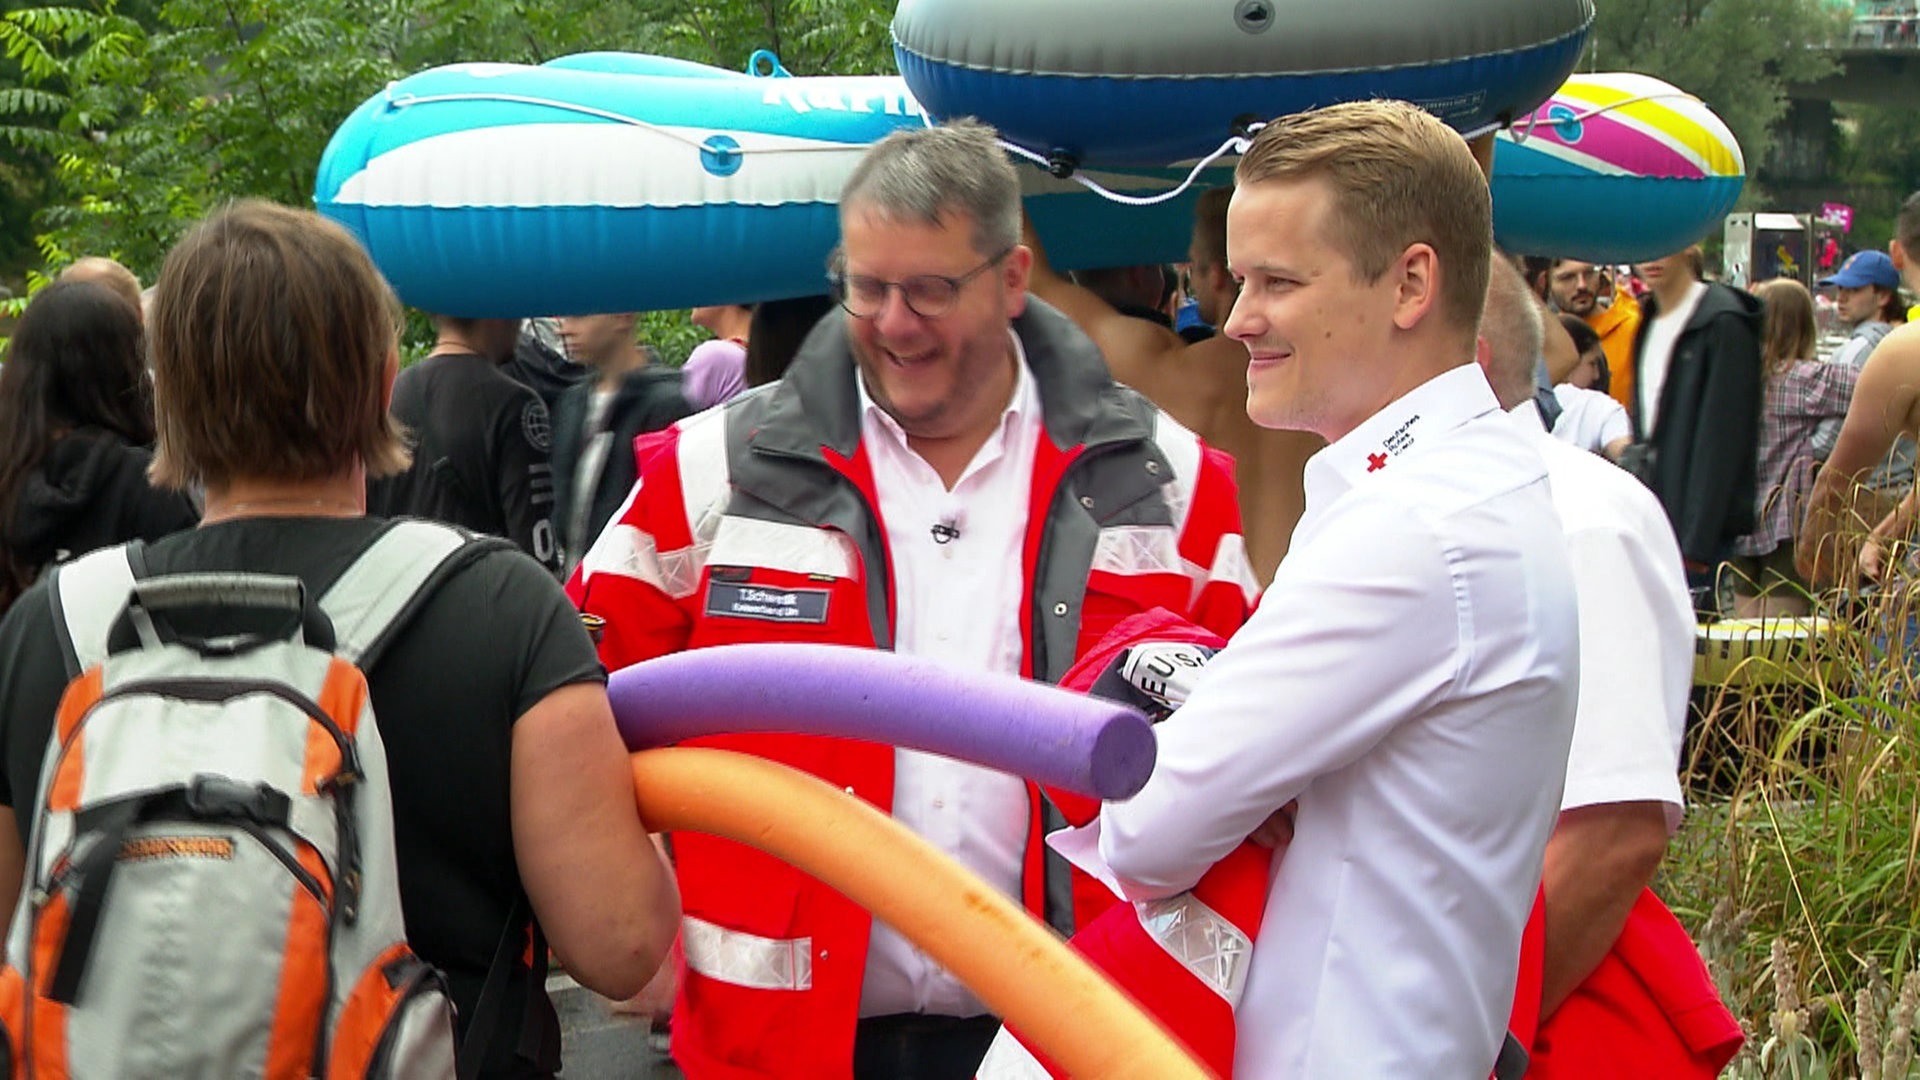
(211,887)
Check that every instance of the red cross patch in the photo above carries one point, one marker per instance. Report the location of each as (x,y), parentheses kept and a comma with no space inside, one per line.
(1376,462)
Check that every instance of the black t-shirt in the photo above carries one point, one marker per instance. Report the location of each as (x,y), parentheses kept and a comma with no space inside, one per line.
(490,642)
(482,449)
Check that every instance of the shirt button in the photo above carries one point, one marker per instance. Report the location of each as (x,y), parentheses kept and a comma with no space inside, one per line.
(1060,610)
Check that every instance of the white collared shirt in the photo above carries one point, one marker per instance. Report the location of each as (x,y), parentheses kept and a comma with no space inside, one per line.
(957,600)
(1636,630)
(1410,678)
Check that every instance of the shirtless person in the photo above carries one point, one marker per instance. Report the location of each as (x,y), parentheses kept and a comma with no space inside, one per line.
(1886,405)
(1203,385)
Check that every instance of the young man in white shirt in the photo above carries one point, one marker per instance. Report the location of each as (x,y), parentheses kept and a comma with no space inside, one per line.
(1410,676)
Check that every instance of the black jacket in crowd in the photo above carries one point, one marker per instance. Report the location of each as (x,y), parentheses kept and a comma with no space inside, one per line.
(648,399)
(1706,434)
(543,370)
(91,491)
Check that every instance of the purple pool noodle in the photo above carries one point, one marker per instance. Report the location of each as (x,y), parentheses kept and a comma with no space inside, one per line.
(1055,737)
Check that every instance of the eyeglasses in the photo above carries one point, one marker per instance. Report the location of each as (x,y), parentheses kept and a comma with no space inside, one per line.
(929,296)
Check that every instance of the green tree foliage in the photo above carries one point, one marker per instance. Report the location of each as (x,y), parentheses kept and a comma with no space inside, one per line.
(135,122)
(1738,56)
(811,37)
(1880,160)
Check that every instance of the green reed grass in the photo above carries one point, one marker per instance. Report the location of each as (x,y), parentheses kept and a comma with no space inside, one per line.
(1796,867)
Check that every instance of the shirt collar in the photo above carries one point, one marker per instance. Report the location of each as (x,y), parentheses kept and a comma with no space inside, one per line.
(1526,416)
(1683,311)
(1404,429)
(1022,408)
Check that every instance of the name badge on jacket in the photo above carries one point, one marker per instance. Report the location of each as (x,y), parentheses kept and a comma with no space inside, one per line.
(767,604)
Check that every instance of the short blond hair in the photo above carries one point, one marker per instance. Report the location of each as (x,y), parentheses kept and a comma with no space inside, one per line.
(1399,177)
(271,335)
(101,270)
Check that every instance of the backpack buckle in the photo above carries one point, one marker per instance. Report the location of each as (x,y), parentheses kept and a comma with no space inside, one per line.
(211,796)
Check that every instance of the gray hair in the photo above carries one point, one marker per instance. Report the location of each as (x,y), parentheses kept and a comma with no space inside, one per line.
(919,174)
(1515,334)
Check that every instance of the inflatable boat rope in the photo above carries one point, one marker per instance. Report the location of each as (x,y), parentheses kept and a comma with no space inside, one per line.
(726,153)
(1523,131)
(723,154)
(1065,169)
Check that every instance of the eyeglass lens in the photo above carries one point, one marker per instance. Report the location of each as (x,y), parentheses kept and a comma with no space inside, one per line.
(929,297)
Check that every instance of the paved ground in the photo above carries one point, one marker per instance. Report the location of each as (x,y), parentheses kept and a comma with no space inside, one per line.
(600,1045)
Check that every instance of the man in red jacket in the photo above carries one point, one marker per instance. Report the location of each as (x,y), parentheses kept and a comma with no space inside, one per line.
(949,471)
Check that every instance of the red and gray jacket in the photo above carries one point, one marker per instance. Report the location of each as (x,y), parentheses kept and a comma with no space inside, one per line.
(758,521)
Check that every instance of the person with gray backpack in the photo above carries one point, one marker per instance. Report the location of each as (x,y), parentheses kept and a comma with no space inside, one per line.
(215,860)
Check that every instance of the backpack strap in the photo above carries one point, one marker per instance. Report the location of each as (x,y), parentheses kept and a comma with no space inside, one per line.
(389,581)
(88,595)
(371,600)
(484,1029)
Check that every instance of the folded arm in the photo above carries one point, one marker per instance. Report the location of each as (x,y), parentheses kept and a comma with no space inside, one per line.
(1274,711)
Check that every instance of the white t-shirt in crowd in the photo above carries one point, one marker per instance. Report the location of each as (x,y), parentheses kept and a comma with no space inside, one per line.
(1589,419)
(1656,354)
(1636,631)
(1410,678)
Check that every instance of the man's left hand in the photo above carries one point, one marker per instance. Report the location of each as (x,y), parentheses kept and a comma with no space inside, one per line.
(1276,832)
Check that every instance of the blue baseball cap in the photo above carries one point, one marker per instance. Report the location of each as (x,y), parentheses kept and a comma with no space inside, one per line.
(1866,268)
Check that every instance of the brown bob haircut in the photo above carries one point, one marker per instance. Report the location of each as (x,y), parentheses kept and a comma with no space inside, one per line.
(1399,177)
(1210,226)
(270,337)
(1790,331)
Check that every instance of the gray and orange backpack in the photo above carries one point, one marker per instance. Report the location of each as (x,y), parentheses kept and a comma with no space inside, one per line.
(210,885)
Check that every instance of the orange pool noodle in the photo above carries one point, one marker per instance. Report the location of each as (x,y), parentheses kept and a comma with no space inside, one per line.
(1021,969)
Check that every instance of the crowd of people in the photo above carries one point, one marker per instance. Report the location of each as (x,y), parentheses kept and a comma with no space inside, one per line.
(1455,513)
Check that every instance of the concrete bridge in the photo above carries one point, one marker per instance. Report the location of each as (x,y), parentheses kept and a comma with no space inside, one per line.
(1878,64)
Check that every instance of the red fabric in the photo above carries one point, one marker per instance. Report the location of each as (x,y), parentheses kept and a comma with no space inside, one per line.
(1525,1021)
(1649,1009)
(732,1032)
(1196,1016)
(1110,935)
(1091,898)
